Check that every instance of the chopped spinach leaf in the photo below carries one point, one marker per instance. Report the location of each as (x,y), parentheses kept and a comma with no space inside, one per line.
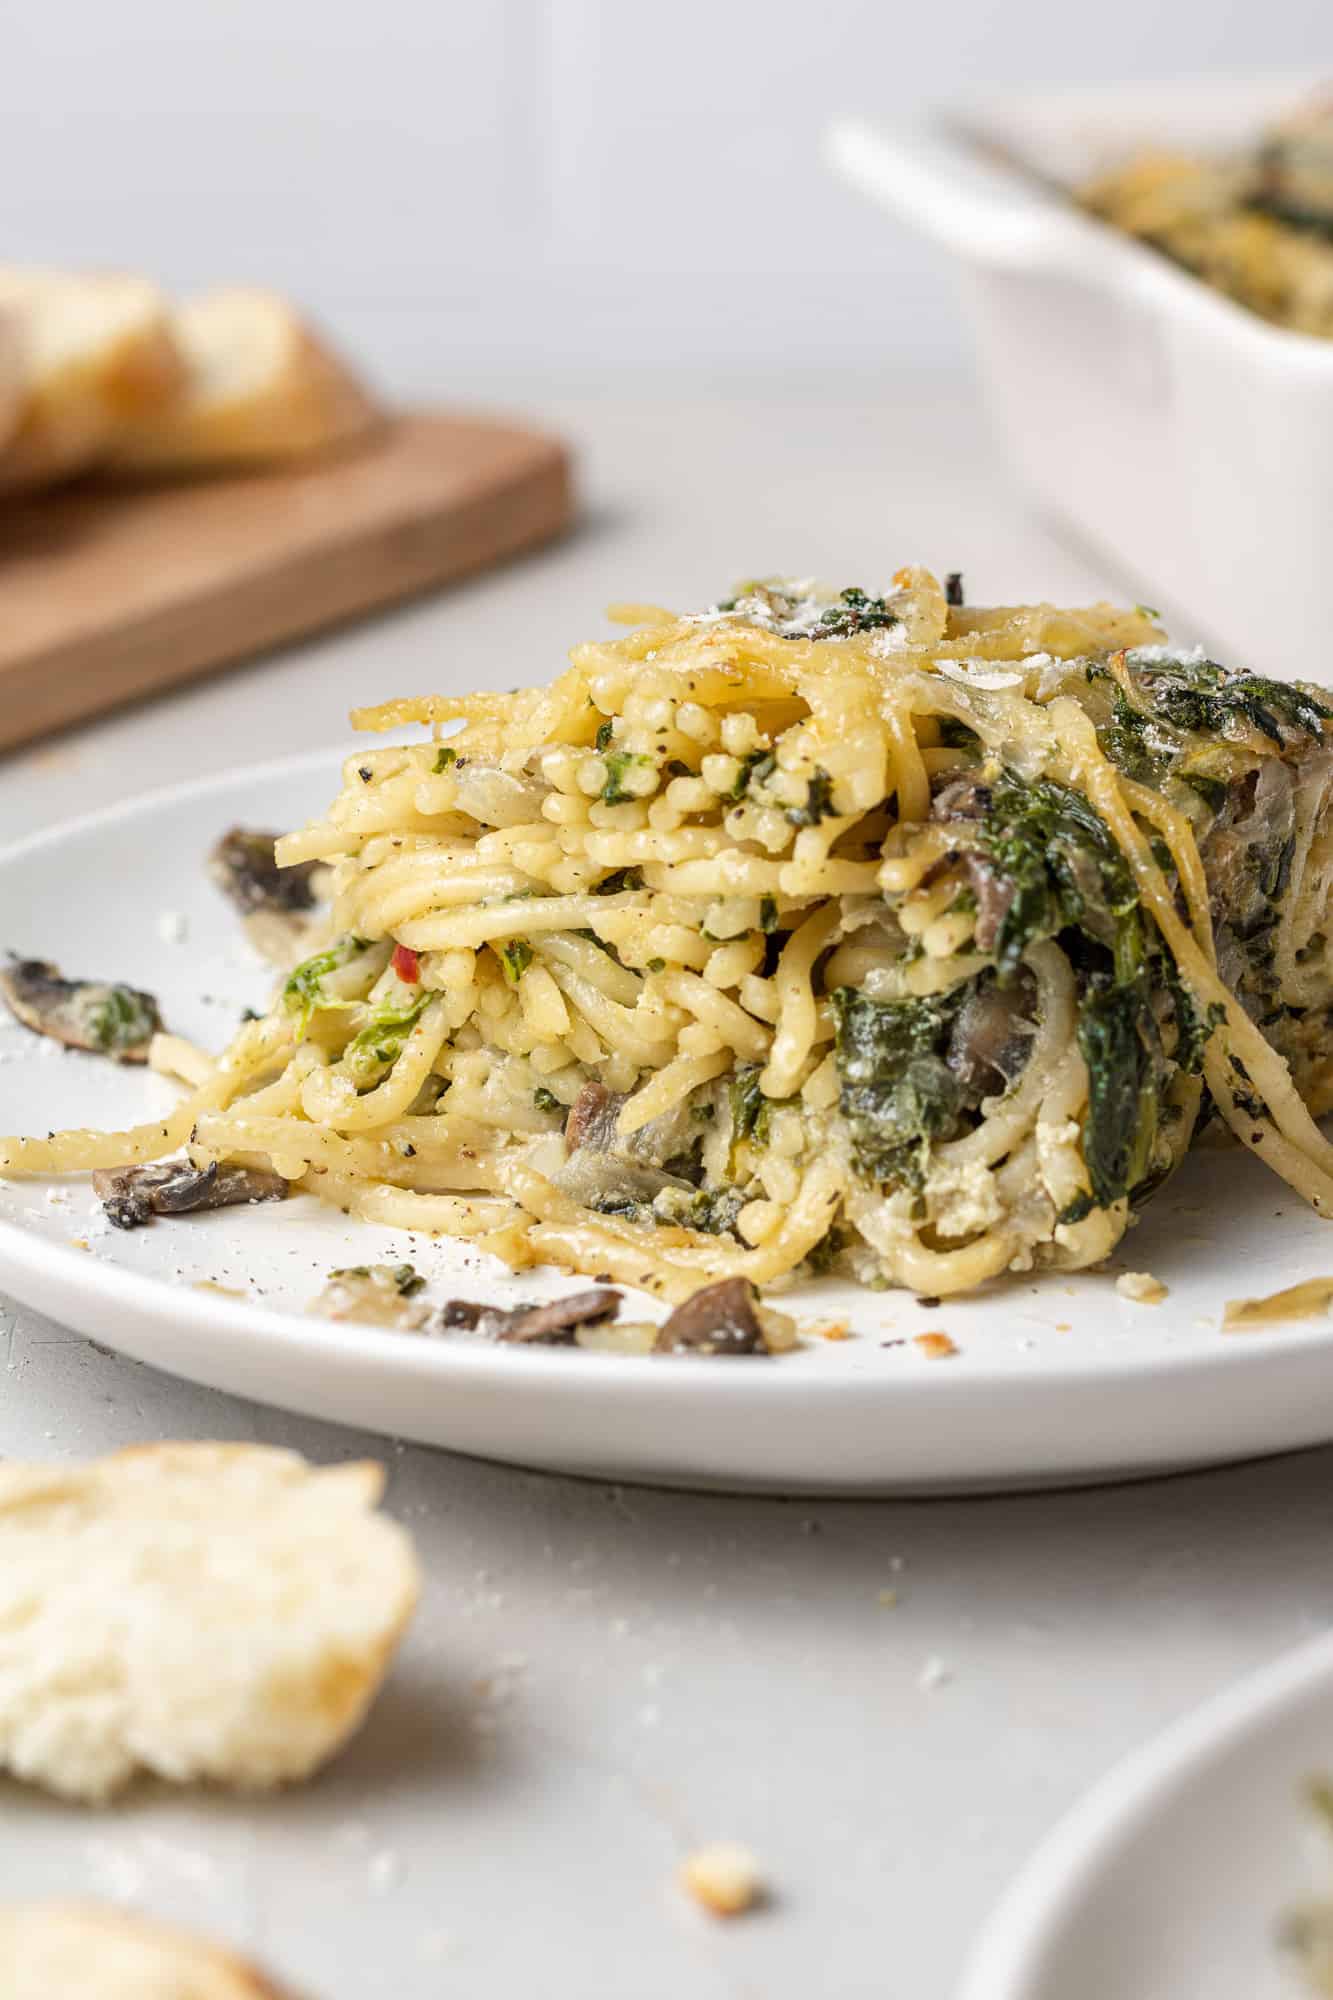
(120,1018)
(1060,863)
(756,765)
(897,1091)
(956,735)
(379,1044)
(1134,742)
(1116,1035)
(617,883)
(1194,1030)
(749,1106)
(826,1252)
(855,611)
(818,801)
(768,914)
(304,990)
(515,957)
(712,1211)
(444,757)
(546,1100)
(619,763)
(1203,697)
(602,944)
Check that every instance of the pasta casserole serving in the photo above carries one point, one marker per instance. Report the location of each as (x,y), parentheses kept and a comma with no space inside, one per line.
(820,931)
(1256,223)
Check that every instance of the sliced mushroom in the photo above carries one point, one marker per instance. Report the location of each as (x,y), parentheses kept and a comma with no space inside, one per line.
(592,1119)
(552,1324)
(107,1019)
(994,893)
(244,868)
(131,1196)
(961,798)
(991,1038)
(277,904)
(374,1295)
(613,1185)
(718,1319)
(591,1129)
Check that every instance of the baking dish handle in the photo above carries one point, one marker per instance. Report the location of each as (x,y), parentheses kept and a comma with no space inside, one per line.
(979,208)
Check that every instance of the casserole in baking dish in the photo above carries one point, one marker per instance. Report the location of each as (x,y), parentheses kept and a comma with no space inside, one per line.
(1187,437)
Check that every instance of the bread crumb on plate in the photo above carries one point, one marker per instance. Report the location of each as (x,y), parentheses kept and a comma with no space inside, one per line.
(88,1951)
(218,1612)
(935,1346)
(724,1877)
(1142,1287)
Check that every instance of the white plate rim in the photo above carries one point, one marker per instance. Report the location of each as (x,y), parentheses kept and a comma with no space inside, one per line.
(1007,1959)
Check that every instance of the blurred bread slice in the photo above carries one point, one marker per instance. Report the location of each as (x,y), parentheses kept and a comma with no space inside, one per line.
(96,354)
(199,1611)
(87,1951)
(11,374)
(262,387)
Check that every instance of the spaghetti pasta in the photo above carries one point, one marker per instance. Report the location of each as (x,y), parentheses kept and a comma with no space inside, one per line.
(819,930)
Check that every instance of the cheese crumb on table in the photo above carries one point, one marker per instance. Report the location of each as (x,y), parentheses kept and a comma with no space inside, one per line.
(935,1346)
(1142,1287)
(724,1877)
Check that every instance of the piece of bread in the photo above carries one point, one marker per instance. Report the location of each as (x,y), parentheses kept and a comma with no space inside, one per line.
(11,374)
(88,1951)
(199,1611)
(97,355)
(262,388)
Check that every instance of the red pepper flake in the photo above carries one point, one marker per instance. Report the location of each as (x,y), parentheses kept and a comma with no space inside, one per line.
(407,964)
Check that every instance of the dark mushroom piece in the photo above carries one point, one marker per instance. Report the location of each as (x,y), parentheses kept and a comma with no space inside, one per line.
(277,904)
(717,1319)
(554,1324)
(105,1018)
(131,1196)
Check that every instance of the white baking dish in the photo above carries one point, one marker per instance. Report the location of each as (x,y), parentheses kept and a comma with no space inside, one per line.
(1188,439)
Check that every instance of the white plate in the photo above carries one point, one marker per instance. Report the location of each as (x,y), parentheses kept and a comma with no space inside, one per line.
(1172,1877)
(1057,1379)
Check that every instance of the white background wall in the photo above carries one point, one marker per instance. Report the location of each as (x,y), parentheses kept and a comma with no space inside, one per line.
(488,193)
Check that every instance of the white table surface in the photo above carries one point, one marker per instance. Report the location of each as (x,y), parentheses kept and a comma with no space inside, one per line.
(600,1677)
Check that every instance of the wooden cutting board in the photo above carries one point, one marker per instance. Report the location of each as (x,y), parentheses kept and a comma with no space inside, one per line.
(109,591)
